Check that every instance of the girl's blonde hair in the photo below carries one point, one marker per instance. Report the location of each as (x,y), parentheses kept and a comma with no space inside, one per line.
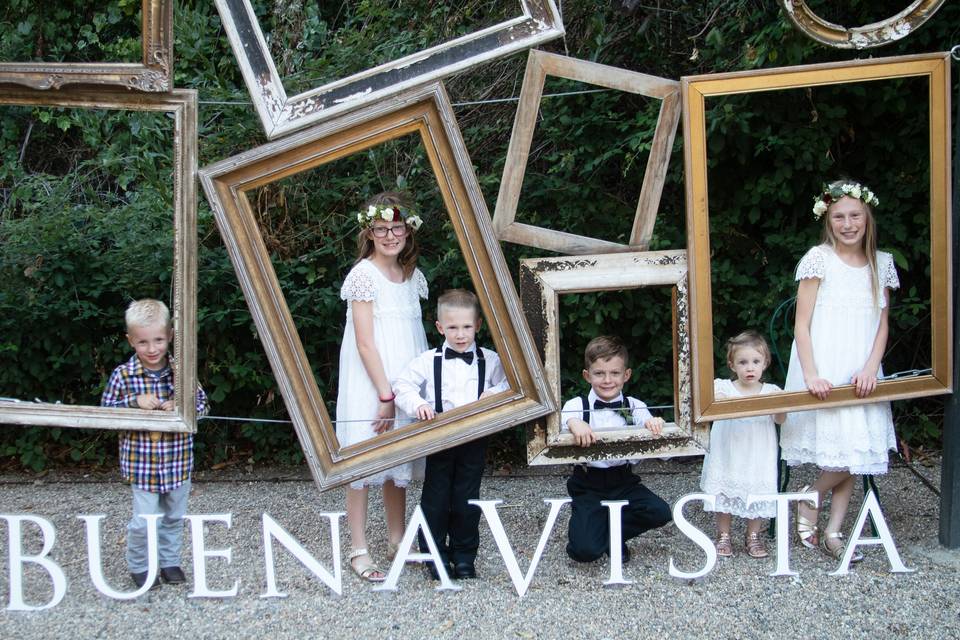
(408,256)
(869,242)
(749,339)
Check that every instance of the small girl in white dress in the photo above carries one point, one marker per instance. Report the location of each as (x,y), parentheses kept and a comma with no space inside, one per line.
(743,451)
(383,333)
(839,338)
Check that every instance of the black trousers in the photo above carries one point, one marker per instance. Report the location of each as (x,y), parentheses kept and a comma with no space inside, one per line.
(451,478)
(589,530)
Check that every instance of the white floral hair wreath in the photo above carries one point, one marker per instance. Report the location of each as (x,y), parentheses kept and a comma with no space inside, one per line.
(389,213)
(831,194)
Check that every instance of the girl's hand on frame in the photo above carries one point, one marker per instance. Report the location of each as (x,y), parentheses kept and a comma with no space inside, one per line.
(865,382)
(583,435)
(386,411)
(426,412)
(655,425)
(819,387)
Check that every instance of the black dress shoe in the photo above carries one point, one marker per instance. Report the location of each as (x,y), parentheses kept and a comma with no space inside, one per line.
(140,578)
(432,572)
(464,571)
(624,554)
(173,575)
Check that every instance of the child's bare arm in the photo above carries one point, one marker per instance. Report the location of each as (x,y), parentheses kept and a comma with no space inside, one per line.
(583,435)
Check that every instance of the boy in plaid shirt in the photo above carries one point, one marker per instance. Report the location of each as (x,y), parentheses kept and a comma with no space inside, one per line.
(157,465)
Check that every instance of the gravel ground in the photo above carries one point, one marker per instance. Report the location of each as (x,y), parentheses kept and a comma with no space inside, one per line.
(737,600)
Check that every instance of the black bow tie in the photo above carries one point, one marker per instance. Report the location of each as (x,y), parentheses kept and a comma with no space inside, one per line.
(600,404)
(466,356)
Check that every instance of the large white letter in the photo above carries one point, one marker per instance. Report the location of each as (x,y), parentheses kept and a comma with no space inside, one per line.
(699,537)
(273,530)
(520,582)
(417,521)
(200,555)
(94,563)
(17,559)
(783,501)
(616,541)
(871,508)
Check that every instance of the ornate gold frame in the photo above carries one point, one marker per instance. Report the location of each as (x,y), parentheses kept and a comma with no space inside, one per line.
(281,114)
(424,111)
(541,283)
(154,74)
(876,34)
(182,105)
(540,65)
(936,68)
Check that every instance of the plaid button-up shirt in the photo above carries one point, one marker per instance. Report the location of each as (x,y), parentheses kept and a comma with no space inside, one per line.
(151,463)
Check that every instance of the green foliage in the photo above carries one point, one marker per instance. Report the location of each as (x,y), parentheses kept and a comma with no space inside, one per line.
(85,197)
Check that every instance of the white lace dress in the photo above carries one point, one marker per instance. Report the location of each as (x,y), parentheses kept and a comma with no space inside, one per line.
(842,329)
(399,336)
(742,459)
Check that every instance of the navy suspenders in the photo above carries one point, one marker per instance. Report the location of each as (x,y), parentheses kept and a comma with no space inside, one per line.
(586,409)
(438,376)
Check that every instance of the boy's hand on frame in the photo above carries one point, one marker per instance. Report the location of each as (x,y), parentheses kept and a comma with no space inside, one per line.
(655,425)
(148,401)
(426,412)
(167,405)
(583,435)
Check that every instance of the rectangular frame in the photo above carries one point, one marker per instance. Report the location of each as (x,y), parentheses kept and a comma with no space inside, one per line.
(425,111)
(542,280)
(281,114)
(936,68)
(182,104)
(154,74)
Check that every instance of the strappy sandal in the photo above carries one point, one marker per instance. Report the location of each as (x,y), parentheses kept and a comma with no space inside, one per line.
(806,528)
(837,552)
(724,545)
(366,570)
(755,546)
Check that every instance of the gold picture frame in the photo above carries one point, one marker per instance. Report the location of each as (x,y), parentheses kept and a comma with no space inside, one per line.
(936,69)
(154,74)
(424,111)
(540,65)
(542,281)
(181,104)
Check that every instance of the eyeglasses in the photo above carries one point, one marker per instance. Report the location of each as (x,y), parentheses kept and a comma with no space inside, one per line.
(398,231)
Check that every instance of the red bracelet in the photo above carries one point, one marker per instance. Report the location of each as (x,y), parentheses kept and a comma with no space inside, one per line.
(392,397)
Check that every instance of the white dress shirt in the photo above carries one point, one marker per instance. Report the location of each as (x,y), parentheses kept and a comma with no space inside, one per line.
(604,420)
(415,385)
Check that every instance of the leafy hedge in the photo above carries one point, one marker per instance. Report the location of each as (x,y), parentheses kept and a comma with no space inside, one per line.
(85,199)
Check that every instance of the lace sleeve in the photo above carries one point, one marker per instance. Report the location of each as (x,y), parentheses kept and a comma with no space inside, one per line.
(811,265)
(421,282)
(888,272)
(358,285)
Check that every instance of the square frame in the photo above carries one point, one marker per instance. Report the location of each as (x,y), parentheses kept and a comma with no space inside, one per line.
(540,65)
(281,114)
(154,74)
(936,68)
(542,280)
(182,105)
(425,111)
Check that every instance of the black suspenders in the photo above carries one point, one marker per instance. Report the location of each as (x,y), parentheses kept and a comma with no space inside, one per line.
(438,376)
(586,409)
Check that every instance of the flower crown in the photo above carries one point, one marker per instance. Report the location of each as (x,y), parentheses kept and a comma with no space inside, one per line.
(831,194)
(389,213)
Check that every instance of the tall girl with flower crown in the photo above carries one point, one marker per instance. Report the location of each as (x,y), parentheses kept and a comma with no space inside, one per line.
(839,338)
(383,333)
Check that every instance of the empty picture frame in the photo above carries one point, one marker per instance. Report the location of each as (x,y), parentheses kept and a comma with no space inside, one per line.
(935,68)
(281,114)
(181,105)
(154,74)
(542,281)
(426,112)
(875,34)
(539,66)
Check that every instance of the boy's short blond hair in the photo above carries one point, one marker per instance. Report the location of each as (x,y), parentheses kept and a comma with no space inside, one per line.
(460,299)
(146,313)
(604,348)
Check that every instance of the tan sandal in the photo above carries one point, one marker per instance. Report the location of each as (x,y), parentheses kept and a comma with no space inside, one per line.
(837,552)
(755,546)
(724,545)
(806,528)
(366,570)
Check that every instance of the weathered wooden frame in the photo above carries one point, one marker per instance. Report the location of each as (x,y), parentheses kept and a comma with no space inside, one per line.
(542,281)
(182,105)
(936,68)
(281,114)
(540,65)
(425,111)
(875,34)
(154,74)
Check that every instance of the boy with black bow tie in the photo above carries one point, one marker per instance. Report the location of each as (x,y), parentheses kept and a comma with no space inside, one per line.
(606,408)
(452,375)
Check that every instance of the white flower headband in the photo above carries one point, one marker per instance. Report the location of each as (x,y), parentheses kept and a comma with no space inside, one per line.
(831,194)
(389,213)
